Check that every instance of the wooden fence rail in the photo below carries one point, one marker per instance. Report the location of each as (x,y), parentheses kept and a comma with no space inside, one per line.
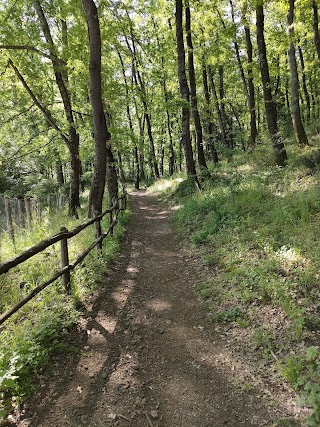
(118,206)
(20,213)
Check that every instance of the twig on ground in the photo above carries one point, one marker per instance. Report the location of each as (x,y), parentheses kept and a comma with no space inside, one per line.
(123,417)
(149,420)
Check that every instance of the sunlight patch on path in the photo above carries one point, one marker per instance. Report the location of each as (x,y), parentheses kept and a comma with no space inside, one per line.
(158,305)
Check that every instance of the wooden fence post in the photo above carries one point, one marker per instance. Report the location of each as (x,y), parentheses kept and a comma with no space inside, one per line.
(97,232)
(28,212)
(65,260)
(8,210)
(21,216)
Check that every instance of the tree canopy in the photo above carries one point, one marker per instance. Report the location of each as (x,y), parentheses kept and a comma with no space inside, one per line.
(236,68)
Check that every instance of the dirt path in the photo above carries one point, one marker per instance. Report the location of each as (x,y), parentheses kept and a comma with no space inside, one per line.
(149,355)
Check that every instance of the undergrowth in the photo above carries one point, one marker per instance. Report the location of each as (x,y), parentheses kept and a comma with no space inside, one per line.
(28,339)
(257,227)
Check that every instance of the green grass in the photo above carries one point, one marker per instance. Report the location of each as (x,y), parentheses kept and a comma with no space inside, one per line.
(29,338)
(257,227)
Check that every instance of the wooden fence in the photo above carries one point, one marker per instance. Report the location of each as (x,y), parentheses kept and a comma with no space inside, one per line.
(63,237)
(19,213)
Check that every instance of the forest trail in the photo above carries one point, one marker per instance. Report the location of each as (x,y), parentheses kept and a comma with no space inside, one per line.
(149,356)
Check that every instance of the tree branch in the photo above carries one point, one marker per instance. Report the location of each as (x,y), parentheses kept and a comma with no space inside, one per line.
(26,144)
(14,116)
(33,49)
(44,111)
(36,149)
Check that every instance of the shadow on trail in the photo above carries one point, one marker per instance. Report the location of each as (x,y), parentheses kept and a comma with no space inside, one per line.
(148,355)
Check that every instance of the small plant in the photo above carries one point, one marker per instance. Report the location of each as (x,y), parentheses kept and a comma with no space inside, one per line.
(230,314)
(205,290)
(309,384)
(291,370)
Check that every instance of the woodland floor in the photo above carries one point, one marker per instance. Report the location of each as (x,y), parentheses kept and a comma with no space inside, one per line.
(146,354)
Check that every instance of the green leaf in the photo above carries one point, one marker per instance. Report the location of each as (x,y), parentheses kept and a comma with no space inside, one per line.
(312,353)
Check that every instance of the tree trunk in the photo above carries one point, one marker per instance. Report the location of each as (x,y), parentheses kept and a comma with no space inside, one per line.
(73,140)
(151,144)
(141,122)
(251,99)
(143,95)
(237,50)
(288,107)
(304,85)
(171,149)
(271,111)
(298,127)
(136,155)
(184,91)
(137,167)
(101,134)
(162,160)
(166,99)
(193,92)
(111,172)
(223,107)
(222,124)
(208,119)
(121,170)
(59,173)
(316,35)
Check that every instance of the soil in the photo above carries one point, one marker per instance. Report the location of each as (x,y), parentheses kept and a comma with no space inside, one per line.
(146,354)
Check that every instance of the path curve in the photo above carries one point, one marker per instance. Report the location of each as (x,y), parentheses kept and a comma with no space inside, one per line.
(149,356)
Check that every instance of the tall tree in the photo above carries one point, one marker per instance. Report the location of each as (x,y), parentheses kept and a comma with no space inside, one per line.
(251,91)
(270,107)
(139,80)
(184,91)
(304,84)
(208,116)
(61,77)
(237,50)
(221,118)
(316,35)
(166,99)
(101,134)
(132,136)
(298,127)
(193,92)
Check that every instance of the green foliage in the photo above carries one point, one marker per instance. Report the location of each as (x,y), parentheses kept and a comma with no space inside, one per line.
(228,315)
(291,370)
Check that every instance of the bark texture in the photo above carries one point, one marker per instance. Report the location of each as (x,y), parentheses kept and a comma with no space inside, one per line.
(222,124)
(237,50)
(101,134)
(61,78)
(251,90)
(166,99)
(193,92)
(135,150)
(184,91)
(316,35)
(298,127)
(270,107)
(208,118)
(304,84)
(139,81)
